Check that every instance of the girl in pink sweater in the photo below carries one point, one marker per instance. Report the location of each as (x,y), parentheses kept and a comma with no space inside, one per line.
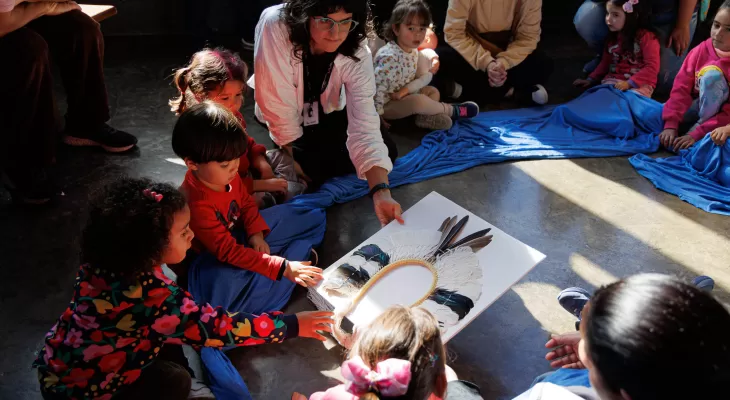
(700,92)
(631,58)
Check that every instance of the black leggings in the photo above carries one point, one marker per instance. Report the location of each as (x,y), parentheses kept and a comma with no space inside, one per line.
(322,151)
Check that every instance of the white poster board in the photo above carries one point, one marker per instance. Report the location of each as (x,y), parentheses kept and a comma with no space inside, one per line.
(503,263)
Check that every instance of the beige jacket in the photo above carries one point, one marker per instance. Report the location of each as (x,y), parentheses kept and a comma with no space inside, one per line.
(494,16)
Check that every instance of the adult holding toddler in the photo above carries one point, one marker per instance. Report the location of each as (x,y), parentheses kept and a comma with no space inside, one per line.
(491,52)
(315,91)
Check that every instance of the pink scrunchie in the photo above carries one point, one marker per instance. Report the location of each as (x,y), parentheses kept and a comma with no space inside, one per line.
(390,378)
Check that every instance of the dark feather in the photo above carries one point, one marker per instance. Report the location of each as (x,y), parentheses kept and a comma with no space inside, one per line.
(468,238)
(478,243)
(346,280)
(459,304)
(445,225)
(372,252)
(453,233)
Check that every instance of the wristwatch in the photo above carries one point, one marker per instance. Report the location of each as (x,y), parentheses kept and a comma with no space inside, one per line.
(378,187)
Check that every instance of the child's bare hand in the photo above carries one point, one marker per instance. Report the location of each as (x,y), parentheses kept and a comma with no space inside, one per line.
(666,138)
(298,396)
(265,169)
(60,7)
(582,83)
(684,142)
(564,351)
(399,94)
(276,185)
(258,243)
(435,64)
(622,86)
(720,135)
(310,322)
(302,273)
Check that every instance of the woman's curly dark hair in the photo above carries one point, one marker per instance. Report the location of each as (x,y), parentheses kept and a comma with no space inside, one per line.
(296,14)
(126,231)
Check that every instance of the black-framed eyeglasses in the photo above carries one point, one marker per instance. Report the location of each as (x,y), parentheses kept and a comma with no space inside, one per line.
(329,24)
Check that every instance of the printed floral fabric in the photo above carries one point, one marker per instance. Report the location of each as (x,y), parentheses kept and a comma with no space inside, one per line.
(394,69)
(112,331)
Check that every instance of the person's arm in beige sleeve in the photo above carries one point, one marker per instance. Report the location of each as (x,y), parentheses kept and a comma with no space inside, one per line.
(526,36)
(457,17)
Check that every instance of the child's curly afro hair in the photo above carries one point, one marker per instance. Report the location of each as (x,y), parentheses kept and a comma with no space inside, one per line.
(127,231)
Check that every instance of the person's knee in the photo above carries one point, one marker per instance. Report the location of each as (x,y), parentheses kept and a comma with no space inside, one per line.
(589,22)
(419,100)
(86,27)
(35,50)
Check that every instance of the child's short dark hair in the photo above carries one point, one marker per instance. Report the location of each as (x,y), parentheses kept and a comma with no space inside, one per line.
(208,132)
(127,231)
(404,12)
(209,69)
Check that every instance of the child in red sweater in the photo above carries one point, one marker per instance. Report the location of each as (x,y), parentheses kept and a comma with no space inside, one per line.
(700,92)
(210,140)
(126,318)
(631,58)
(219,75)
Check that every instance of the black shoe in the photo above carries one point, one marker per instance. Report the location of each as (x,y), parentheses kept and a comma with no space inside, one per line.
(106,137)
(31,187)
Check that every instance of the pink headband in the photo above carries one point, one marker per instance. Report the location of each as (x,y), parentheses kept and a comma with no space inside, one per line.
(390,377)
(629,6)
(152,195)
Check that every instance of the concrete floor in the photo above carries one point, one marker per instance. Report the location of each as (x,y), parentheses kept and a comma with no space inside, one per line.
(595,219)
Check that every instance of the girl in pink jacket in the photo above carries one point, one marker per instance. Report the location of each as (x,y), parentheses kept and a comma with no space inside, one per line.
(700,92)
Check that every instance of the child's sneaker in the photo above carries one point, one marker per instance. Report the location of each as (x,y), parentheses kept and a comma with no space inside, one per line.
(573,300)
(530,96)
(704,283)
(434,122)
(106,137)
(467,109)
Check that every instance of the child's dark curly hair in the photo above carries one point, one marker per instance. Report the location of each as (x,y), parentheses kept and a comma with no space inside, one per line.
(127,231)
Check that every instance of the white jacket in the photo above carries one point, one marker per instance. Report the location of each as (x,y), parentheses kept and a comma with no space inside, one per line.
(279,94)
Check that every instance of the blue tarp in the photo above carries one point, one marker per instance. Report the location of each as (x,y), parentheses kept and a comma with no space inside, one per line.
(603,122)
(699,175)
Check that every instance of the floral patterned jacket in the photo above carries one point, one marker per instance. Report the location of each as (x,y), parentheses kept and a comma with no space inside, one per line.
(112,331)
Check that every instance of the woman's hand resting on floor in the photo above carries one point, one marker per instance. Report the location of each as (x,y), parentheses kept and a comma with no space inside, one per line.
(310,322)
(720,135)
(564,351)
(303,273)
(666,138)
(258,243)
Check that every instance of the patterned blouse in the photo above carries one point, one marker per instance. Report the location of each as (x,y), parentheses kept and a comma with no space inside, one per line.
(112,331)
(396,69)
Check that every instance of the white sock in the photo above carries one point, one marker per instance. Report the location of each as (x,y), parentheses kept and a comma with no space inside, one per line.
(457,90)
(540,96)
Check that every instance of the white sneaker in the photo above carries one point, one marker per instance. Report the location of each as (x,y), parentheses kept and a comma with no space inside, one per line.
(199,390)
(540,96)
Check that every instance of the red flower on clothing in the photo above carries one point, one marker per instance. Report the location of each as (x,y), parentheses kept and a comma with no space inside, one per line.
(66,316)
(156,297)
(263,325)
(174,340)
(107,380)
(166,324)
(192,331)
(58,337)
(93,288)
(95,351)
(143,345)
(157,272)
(85,321)
(74,339)
(131,376)
(78,377)
(97,336)
(223,324)
(113,362)
(57,365)
(253,342)
(125,341)
(188,306)
(121,307)
(208,313)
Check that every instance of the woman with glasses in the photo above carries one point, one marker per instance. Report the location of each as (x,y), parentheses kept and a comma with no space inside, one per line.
(314,89)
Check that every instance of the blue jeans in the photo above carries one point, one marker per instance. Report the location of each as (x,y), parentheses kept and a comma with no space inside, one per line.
(590,22)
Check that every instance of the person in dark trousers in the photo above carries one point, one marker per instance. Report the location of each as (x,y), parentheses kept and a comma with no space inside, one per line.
(491,52)
(30,34)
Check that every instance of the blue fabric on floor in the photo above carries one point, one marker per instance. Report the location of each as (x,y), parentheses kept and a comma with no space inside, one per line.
(699,175)
(603,122)
(236,289)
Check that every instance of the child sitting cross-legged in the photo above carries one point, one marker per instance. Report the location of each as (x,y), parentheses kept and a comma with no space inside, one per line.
(126,316)
(224,216)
